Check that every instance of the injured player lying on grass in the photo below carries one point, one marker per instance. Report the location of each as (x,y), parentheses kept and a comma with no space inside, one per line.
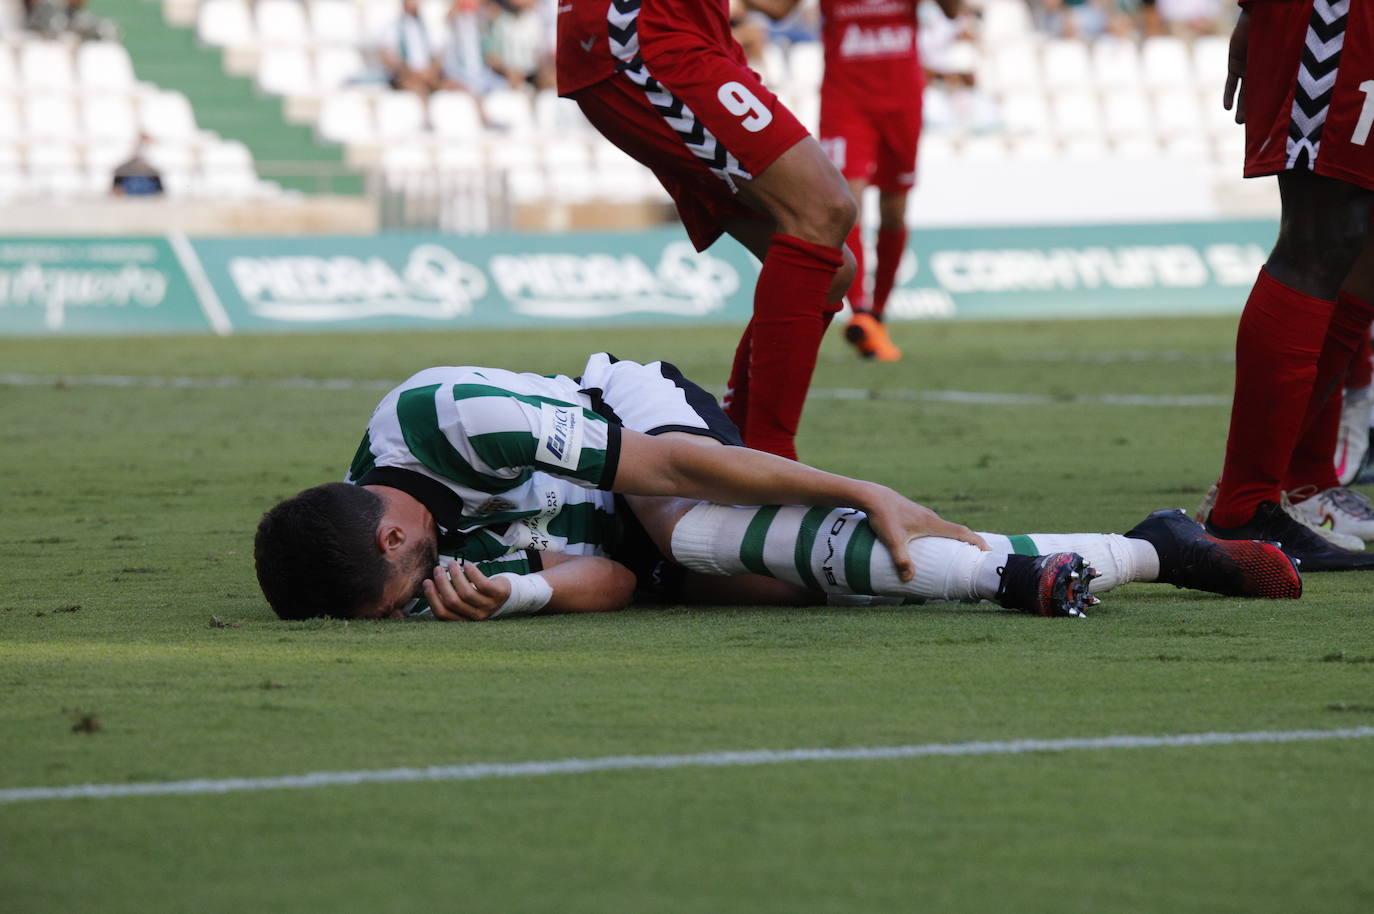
(512,474)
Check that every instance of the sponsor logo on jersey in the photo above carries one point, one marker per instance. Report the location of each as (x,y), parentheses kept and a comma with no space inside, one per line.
(560,436)
(433,283)
(683,282)
(882,41)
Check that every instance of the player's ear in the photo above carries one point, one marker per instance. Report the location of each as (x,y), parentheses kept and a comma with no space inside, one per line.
(391,538)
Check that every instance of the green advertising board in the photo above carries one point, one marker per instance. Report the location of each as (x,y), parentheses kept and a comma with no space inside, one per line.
(402,281)
(86,286)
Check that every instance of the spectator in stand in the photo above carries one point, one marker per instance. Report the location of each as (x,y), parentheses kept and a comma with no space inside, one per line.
(53,19)
(136,177)
(516,45)
(462,66)
(750,30)
(1190,17)
(407,53)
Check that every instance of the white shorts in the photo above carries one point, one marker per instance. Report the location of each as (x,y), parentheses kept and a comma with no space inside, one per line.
(653,399)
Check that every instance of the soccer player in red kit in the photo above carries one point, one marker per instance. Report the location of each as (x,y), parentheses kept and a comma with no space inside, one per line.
(1305,71)
(870,126)
(666,82)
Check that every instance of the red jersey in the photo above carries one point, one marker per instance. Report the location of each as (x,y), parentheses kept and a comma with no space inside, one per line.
(586,29)
(871,57)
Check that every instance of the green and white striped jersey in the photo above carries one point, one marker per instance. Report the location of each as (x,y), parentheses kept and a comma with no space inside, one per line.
(504,461)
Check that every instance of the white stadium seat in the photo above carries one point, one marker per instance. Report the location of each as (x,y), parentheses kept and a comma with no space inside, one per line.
(334,22)
(1178,112)
(1127,112)
(334,67)
(1026,112)
(985,148)
(407,161)
(104,65)
(556,116)
(227,155)
(346,117)
(285,71)
(1075,114)
(1165,62)
(9,71)
(1116,63)
(1188,148)
(1013,65)
(10,128)
(108,119)
(167,116)
(399,115)
(173,156)
(1065,64)
(51,116)
(1210,54)
(805,65)
(281,22)
(225,23)
(45,65)
(510,110)
(460,157)
(1140,146)
(1086,149)
(1034,149)
(455,114)
(1003,19)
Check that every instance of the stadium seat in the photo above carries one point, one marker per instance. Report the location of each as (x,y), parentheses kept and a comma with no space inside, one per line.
(51,116)
(773,67)
(1217,119)
(1126,111)
(167,116)
(1116,63)
(285,71)
(335,22)
(1137,146)
(171,156)
(988,147)
(281,22)
(10,128)
(1065,64)
(228,155)
(1086,149)
(1188,148)
(1034,149)
(935,148)
(225,24)
(805,65)
(455,114)
(1005,19)
(45,65)
(1025,112)
(399,115)
(1013,66)
(807,109)
(556,116)
(1177,112)
(9,71)
(407,160)
(1075,113)
(1228,151)
(335,67)
(1165,62)
(109,119)
(346,117)
(55,169)
(1210,53)
(460,157)
(510,110)
(104,65)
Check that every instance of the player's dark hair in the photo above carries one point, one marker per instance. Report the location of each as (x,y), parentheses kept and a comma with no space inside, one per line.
(316,553)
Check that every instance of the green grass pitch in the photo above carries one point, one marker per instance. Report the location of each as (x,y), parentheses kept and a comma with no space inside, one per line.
(126,516)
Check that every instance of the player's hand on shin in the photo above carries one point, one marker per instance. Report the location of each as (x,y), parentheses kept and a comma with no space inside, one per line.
(459,592)
(897,521)
(1234,91)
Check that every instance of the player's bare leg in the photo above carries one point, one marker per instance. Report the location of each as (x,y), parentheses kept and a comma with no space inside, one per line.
(1279,345)
(805,272)
(866,330)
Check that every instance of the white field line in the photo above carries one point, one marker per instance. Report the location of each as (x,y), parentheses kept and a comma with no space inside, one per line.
(485,771)
(964,397)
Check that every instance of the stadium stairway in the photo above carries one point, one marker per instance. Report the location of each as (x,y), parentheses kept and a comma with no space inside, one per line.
(171,57)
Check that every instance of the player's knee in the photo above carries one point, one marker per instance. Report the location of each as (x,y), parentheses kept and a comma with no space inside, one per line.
(826,217)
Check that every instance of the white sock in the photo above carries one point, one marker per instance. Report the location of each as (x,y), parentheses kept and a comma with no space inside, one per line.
(1118,559)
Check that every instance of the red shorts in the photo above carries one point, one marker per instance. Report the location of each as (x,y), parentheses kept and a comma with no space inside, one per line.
(878,147)
(1303,111)
(699,118)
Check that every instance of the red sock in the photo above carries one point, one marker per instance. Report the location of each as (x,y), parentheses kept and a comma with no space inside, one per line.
(1277,346)
(1347,337)
(736,399)
(891,247)
(858,297)
(790,317)
(1361,367)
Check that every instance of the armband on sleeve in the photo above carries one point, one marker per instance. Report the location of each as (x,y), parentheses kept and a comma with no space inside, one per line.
(529,593)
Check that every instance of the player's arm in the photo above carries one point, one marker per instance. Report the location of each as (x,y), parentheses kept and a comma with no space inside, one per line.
(460,592)
(773,9)
(1234,91)
(653,465)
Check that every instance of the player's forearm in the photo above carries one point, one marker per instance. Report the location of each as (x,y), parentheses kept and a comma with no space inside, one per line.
(586,583)
(740,476)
